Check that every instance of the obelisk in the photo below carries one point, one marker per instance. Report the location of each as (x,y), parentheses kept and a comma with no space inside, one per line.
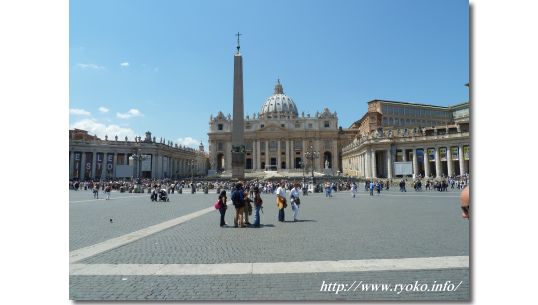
(238,142)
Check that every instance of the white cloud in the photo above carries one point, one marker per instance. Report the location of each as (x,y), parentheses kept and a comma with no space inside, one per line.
(129,114)
(95,128)
(103,109)
(188,141)
(90,66)
(124,64)
(76,111)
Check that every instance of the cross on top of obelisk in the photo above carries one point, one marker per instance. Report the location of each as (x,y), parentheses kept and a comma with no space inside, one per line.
(238,34)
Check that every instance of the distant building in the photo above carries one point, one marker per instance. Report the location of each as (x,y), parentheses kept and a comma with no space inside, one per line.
(277,138)
(93,158)
(434,140)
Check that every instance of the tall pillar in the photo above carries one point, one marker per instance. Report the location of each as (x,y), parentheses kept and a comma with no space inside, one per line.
(288,161)
(404,156)
(438,170)
(426,163)
(94,161)
(278,156)
(373,164)
(368,163)
(449,162)
(114,164)
(82,166)
(71,163)
(334,162)
(389,163)
(266,153)
(238,123)
(415,163)
(258,156)
(461,160)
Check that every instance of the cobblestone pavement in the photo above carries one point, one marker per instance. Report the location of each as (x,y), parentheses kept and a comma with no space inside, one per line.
(392,225)
(89,219)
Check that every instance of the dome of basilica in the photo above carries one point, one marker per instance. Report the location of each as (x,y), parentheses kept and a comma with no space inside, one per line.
(279,103)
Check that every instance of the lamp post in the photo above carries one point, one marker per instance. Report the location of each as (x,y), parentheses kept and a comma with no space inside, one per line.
(311,155)
(191,164)
(137,157)
(305,188)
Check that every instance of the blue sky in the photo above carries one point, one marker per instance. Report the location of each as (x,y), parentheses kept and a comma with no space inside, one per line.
(166,66)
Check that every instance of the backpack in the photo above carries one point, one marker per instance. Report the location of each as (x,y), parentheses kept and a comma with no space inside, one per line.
(217,205)
(237,198)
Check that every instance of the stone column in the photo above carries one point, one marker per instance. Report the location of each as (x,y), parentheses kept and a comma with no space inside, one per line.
(335,163)
(461,160)
(228,154)
(114,164)
(71,163)
(254,151)
(404,156)
(278,156)
(426,164)
(389,163)
(154,166)
(449,162)
(373,164)
(437,163)
(266,153)
(415,163)
(94,166)
(288,162)
(82,166)
(258,155)
(368,163)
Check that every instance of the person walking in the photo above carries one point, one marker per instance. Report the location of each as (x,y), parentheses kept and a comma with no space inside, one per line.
(239,204)
(281,202)
(295,201)
(222,207)
(353,189)
(378,188)
(95,191)
(257,206)
(372,185)
(108,188)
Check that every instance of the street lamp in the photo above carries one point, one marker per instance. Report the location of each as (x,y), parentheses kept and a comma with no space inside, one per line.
(191,164)
(311,155)
(138,158)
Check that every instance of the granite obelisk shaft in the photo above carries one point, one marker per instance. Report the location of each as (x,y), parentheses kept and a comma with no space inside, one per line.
(238,142)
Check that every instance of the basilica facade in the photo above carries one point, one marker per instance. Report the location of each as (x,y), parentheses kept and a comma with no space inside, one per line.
(279,138)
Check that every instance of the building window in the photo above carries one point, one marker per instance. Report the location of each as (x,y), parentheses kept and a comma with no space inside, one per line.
(282,125)
(272,145)
(326,124)
(247,126)
(309,125)
(297,144)
(219,127)
(220,146)
(262,125)
(297,125)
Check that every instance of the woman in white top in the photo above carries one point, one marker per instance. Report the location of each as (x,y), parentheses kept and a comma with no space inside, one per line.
(295,201)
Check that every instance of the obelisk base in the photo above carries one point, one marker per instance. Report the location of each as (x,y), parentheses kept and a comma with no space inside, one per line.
(238,165)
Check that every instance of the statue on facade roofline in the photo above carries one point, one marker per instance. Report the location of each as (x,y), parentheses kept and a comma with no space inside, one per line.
(106,137)
(126,139)
(116,137)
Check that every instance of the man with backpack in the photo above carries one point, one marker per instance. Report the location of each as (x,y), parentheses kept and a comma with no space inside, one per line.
(238,201)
